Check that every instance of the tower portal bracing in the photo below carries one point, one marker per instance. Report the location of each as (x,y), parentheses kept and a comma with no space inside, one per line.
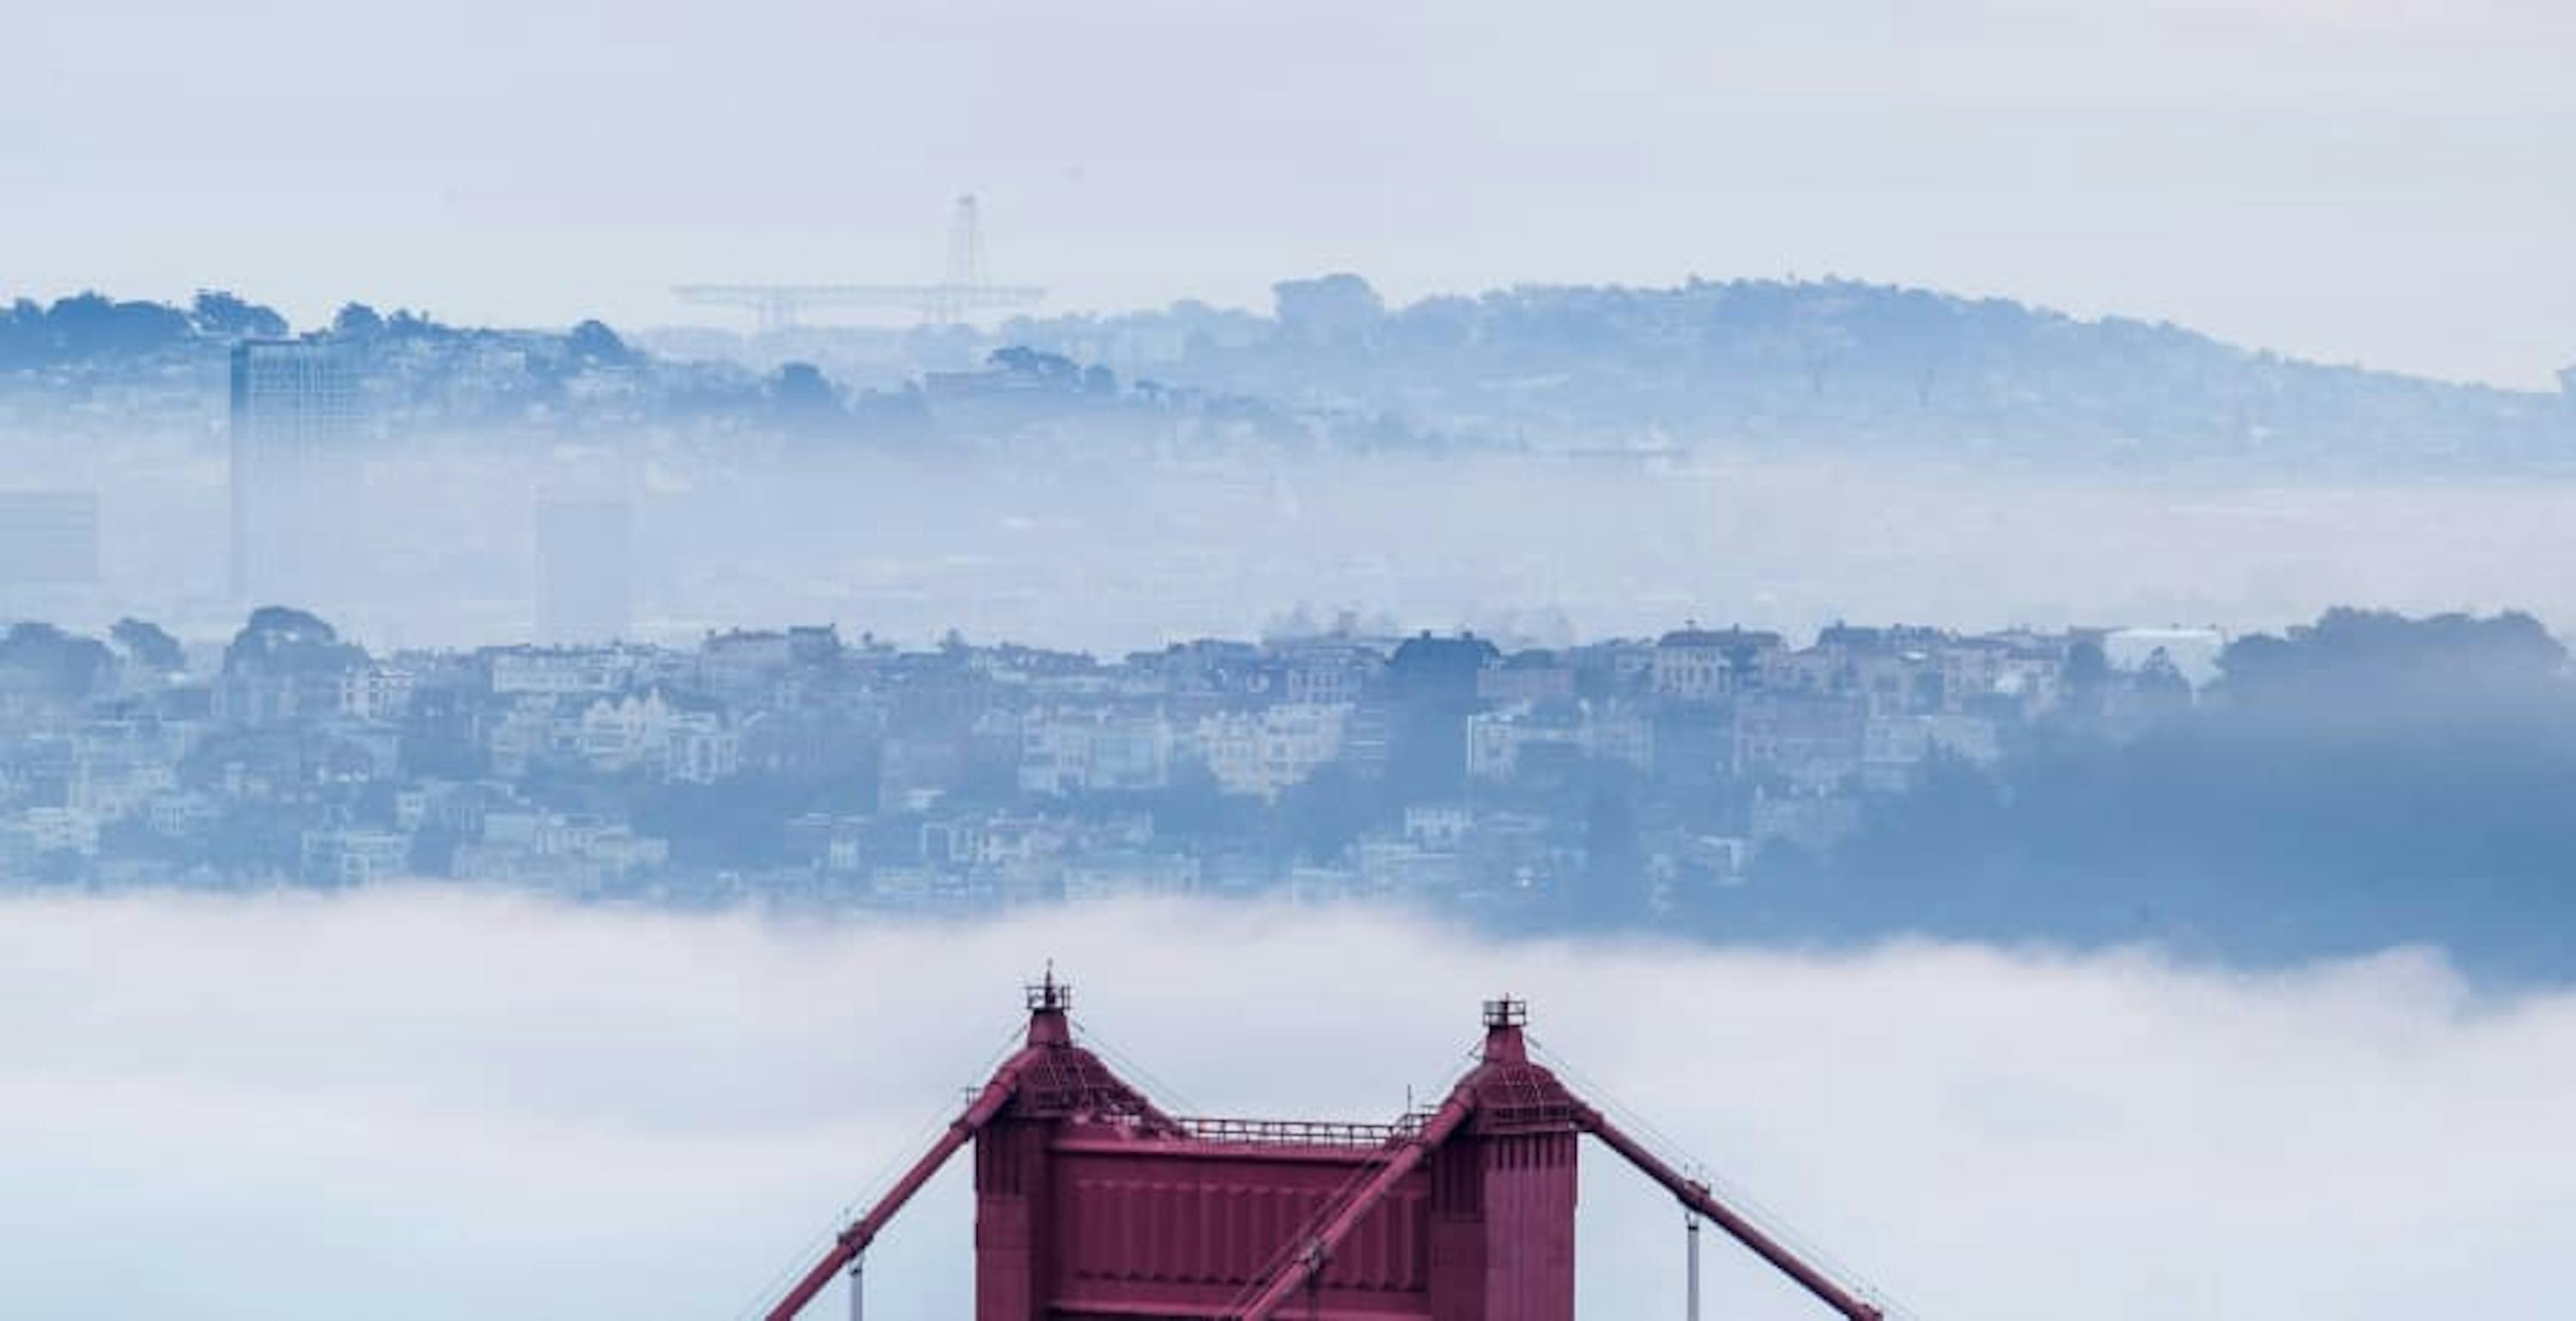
(1091,1204)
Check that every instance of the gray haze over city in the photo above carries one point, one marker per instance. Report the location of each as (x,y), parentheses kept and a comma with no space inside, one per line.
(1549,548)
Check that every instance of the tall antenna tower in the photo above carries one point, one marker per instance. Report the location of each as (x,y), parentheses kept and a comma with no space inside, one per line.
(966,245)
(949,300)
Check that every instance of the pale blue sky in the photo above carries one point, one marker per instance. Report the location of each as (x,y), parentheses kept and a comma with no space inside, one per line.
(2382,182)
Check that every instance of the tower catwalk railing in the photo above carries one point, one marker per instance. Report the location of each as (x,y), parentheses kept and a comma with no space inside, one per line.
(1297,1132)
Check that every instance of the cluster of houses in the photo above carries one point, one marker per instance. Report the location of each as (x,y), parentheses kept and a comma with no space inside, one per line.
(800,766)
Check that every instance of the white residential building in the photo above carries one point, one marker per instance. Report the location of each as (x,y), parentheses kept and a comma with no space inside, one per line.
(1077,750)
(561,671)
(1699,665)
(57,830)
(355,857)
(1262,753)
(375,692)
(651,733)
(1499,740)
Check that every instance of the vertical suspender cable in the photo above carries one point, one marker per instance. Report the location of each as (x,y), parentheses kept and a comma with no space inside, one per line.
(1690,1293)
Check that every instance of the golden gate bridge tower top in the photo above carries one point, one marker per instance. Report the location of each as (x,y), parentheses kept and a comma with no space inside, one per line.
(1093,1204)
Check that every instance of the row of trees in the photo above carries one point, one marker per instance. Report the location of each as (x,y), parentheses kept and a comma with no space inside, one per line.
(91,327)
(44,662)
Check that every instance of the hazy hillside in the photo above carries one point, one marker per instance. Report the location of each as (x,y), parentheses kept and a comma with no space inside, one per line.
(1819,365)
(1757,366)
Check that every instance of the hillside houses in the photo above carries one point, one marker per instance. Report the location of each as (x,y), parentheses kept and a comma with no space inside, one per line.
(786,766)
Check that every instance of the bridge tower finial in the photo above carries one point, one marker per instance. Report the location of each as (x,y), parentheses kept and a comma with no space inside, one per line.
(1049,1001)
(1504,1020)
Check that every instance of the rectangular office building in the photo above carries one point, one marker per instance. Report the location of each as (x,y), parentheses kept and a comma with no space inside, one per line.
(295,471)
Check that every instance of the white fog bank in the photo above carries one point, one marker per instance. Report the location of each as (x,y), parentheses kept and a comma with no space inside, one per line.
(434,1104)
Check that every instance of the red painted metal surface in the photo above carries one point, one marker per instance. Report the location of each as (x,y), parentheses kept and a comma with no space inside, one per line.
(1093,1205)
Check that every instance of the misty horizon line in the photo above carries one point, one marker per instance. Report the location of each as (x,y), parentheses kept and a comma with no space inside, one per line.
(1346,624)
(322,326)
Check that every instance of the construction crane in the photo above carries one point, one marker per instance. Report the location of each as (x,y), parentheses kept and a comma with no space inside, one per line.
(963,290)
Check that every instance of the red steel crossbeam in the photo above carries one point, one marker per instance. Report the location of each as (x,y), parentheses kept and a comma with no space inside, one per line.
(854,1240)
(1695,1195)
(1309,1261)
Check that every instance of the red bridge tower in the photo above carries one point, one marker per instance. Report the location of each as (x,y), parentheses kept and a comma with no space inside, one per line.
(1091,1204)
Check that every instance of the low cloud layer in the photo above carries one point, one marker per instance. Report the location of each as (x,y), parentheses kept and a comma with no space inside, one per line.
(434,1104)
